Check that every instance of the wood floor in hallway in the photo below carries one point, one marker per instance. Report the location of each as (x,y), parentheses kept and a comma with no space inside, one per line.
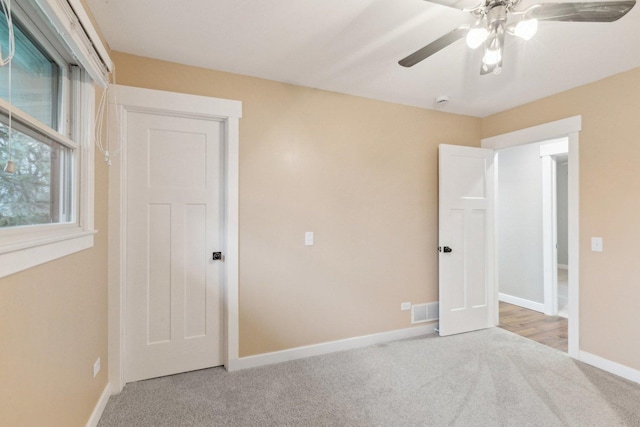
(548,330)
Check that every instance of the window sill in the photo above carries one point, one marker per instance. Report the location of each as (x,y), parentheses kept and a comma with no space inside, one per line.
(17,258)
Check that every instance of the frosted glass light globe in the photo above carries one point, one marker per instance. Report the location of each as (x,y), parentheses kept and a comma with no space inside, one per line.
(492,56)
(526,29)
(476,36)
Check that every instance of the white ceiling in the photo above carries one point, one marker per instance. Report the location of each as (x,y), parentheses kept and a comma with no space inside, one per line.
(353,47)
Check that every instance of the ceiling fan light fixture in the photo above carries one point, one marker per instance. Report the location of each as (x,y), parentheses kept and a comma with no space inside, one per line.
(494,19)
(476,36)
(526,29)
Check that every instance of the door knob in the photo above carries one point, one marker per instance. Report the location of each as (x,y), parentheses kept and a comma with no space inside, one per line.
(446,249)
(217,256)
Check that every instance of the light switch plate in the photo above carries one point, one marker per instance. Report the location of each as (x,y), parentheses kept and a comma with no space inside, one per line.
(308,238)
(597,244)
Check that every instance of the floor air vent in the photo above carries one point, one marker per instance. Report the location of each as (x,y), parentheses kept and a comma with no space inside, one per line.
(424,312)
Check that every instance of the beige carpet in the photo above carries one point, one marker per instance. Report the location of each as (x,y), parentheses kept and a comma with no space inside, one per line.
(485,378)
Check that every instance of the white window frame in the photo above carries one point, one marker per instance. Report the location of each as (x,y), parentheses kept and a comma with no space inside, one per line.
(26,247)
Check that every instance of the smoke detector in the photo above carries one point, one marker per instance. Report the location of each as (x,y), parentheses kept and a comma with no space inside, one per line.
(442,101)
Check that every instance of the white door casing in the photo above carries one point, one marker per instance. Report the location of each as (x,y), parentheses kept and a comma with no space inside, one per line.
(174,224)
(466,215)
(569,128)
(125,101)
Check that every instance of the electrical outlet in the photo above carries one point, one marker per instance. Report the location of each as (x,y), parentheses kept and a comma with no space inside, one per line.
(96,367)
(405,306)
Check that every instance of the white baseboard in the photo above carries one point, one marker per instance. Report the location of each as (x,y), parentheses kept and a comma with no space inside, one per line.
(610,366)
(100,405)
(563,266)
(327,347)
(521,302)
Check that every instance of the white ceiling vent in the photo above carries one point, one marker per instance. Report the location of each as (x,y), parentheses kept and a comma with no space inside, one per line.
(424,312)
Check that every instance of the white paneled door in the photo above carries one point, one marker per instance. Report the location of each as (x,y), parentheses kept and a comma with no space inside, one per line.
(174,224)
(466,187)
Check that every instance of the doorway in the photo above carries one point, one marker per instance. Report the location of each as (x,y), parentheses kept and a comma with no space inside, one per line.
(527,213)
(204,124)
(566,128)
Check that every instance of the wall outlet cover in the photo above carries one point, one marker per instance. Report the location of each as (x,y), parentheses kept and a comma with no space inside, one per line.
(405,306)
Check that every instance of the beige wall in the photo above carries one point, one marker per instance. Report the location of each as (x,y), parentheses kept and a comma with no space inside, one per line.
(53,326)
(361,174)
(609,205)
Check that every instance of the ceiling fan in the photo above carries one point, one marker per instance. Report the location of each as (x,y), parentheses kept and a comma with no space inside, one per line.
(496,18)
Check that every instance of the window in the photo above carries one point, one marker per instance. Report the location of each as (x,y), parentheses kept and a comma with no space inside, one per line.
(38,191)
(35,76)
(46,198)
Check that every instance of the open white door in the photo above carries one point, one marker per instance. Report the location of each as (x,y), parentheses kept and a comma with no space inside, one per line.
(466,220)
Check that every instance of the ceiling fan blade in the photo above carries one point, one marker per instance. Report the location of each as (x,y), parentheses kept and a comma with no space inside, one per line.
(459,4)
(434,47)
(599,11)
